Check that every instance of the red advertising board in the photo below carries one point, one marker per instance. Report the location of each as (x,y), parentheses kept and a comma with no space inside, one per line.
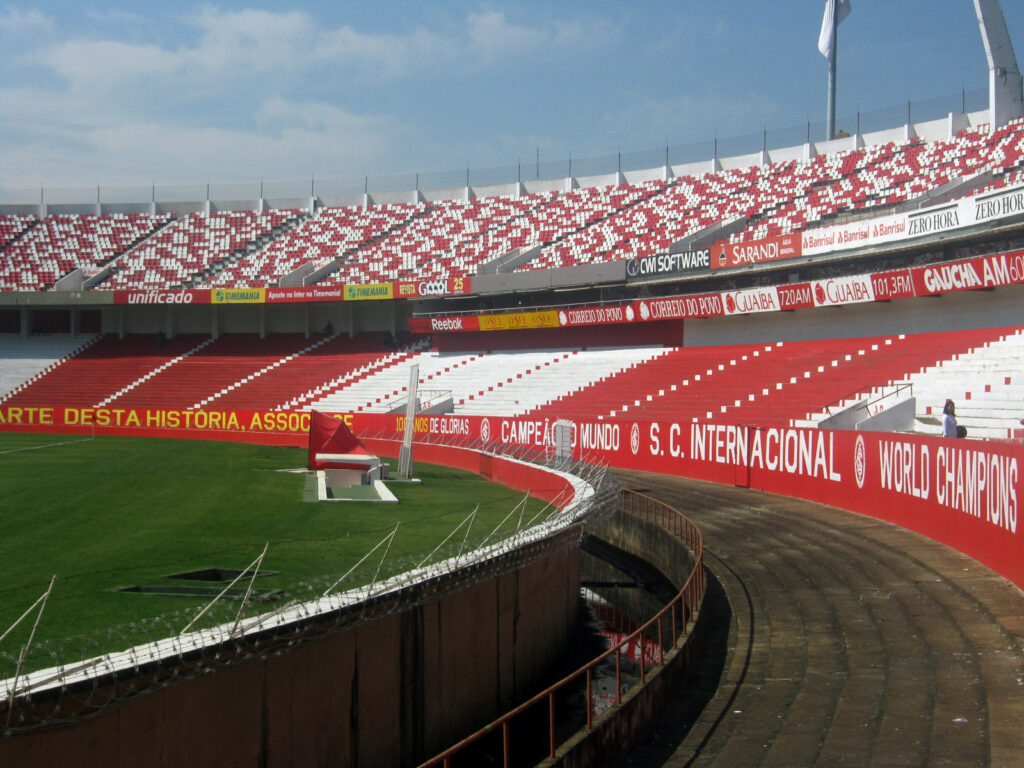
(704,305)
(746,253)
(619,313)
(190,296)
(796,296)
(444,324)
(970,274)
(965,494)
(897,284)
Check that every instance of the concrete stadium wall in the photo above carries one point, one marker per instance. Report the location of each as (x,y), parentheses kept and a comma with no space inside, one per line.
(628,724)
(388,692)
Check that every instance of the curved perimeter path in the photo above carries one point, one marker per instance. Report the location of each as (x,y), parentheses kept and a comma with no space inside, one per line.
(841,641)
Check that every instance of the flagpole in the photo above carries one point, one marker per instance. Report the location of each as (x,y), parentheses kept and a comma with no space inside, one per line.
(830,119)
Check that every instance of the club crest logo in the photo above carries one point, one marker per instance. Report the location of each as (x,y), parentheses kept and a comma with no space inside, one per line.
(860,461)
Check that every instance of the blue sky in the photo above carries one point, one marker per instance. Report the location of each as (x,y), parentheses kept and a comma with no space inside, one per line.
(118,94)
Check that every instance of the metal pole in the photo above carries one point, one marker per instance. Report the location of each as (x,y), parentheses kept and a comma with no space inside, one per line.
(830,127)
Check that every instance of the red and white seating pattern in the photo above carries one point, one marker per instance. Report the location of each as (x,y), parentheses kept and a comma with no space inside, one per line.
(190,245)
(331,234)
(12,226)
(771,384)
(453,238)
(62,243)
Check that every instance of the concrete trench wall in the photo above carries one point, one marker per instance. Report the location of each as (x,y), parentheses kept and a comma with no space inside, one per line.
(388,692)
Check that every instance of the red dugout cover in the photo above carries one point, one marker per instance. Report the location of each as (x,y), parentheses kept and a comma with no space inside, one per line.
(330,435)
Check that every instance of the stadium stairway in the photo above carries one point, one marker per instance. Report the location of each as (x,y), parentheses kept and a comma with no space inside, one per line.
(975,367)
(26,360)
(99,369)
(333,394)
(206,369)
(277,382)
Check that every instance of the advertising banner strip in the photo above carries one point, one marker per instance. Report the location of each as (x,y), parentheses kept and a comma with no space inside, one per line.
(749,252)
(620,313)
(897,284)
(516,320)
(970,274)
(191,296)
(795,296)
(238,295)
(369,292)
(968,212)
(420,289)
(751,300)
(668,264)
(302,294)
(703,305)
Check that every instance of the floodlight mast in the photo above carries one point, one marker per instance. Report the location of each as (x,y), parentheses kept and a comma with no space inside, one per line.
(830,117)
(1005,99)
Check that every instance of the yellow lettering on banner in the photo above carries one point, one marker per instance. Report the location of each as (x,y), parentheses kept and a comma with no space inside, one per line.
(493,322)
(26,415)
(154,418)
(547,319)
(369,291)
(238,296)
(277,421)
(233,421)
(345,417)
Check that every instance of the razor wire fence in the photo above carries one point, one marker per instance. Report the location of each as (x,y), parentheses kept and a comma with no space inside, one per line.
(60,682)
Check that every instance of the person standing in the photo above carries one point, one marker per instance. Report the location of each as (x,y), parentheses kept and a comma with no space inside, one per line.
(949,425)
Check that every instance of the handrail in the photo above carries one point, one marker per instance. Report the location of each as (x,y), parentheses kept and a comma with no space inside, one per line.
(680,612)
(897,388)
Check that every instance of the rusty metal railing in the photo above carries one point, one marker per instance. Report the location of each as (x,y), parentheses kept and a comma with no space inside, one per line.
(676,617)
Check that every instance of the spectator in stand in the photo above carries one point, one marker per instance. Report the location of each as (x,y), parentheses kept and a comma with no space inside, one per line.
(949,425)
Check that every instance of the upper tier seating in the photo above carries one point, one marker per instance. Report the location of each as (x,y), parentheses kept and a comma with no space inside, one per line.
(454,238)
(788,196)
(12,226)
(190,246)
(60,244)
(331,234)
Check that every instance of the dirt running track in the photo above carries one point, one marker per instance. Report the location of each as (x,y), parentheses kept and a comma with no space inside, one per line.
(841,641)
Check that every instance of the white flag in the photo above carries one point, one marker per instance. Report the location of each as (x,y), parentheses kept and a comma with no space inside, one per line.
(825,40)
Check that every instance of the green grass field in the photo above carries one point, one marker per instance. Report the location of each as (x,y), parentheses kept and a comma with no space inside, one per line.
(107,513)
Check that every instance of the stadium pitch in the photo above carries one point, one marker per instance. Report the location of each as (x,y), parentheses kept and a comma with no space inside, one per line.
(109,514)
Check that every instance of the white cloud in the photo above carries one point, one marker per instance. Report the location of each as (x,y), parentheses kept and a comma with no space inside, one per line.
(30,22)
(105,65)
(241,93)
